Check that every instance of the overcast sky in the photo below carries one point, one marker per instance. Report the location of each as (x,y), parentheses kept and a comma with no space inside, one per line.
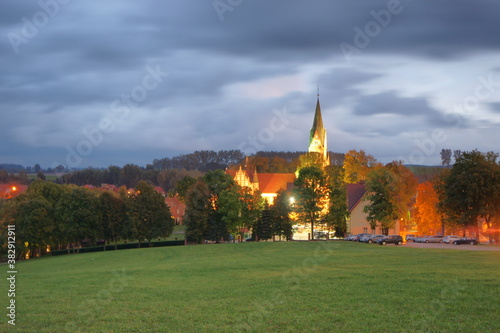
(99,83)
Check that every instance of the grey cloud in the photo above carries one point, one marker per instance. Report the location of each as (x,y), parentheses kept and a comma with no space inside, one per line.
(495,107)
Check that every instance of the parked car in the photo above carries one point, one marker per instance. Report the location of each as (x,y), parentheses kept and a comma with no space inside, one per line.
(434,239)
(364,238)
(350,238)
(391,239)
(466,240)
(374,238)
(420,239)
(450,239)
(410,237)
(358,237)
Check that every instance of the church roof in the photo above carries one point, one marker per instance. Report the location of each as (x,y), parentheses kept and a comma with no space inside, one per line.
(273,182)
(317,127)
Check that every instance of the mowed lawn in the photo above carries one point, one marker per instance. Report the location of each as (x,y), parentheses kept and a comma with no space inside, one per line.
(260,287)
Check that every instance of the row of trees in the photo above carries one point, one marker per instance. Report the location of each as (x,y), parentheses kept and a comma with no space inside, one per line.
(281,162)
(62,216)
(129,176)
(20,178)
(446,155)
(466,196)
(202,160)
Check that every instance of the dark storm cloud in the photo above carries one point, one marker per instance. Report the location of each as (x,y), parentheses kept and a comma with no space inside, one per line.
(390,103)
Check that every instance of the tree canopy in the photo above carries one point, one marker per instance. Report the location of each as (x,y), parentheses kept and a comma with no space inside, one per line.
(470,192)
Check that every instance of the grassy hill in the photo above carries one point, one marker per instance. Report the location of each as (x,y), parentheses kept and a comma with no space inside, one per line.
(259,287)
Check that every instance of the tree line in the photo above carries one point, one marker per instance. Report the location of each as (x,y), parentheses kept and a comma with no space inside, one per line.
(66,216)
(218,209)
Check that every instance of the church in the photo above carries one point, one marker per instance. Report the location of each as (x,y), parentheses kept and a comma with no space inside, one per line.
(268,184)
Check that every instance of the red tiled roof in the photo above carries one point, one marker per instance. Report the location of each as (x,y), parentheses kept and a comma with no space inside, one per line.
(273,182)
(160,190)
(354,194)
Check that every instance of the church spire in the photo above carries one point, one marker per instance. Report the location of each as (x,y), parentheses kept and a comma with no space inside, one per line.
(317,131)
(317,136)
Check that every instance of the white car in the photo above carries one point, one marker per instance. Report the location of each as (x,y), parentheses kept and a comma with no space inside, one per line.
(450,239)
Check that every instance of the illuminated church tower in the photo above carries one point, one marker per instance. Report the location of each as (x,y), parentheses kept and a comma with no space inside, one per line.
(317,137)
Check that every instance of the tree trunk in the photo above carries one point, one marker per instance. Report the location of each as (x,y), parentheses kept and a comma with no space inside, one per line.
(312,228)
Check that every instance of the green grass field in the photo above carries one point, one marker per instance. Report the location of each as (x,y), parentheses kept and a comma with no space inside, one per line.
(260,287)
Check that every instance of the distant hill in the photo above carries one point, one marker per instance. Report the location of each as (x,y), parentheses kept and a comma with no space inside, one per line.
(425,172)
(12,168)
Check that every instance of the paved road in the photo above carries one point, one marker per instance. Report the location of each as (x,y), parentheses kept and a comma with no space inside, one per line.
(481,247)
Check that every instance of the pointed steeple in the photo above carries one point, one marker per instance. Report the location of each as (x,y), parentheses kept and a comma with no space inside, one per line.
(255,179)
(317,136)
(317,129)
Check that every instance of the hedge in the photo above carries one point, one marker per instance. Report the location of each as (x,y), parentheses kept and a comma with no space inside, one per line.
(119,247)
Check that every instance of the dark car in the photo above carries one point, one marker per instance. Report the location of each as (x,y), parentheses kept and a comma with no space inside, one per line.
(391,239)
(466,240)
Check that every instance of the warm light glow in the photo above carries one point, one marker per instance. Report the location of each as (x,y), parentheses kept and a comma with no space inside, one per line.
(292,200)
(14,188)
(269,197)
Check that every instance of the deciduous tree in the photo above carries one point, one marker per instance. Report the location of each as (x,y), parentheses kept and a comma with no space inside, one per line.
(427,217)
(198,210)
(78,216)
(113,218)
(338,212)
(149,216)
(390,193)
(311,195)
(282,224)
(357,165)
